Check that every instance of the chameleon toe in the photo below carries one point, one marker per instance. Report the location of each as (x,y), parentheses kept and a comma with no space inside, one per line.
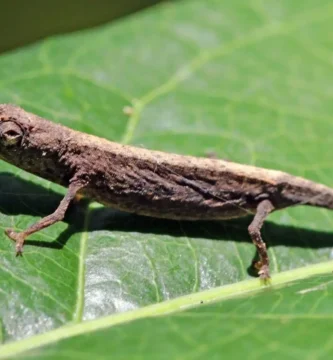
(11,234)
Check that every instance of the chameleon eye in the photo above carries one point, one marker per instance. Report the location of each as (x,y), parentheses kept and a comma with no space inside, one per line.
(10,133)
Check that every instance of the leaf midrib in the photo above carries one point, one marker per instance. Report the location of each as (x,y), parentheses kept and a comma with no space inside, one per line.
(166,307)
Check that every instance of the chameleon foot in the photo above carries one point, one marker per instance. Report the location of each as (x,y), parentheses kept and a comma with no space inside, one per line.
(19,238)
(264,274)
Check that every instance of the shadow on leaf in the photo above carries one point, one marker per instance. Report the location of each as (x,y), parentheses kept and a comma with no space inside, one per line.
(19,196)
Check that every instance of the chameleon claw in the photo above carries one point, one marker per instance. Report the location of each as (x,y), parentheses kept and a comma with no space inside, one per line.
(18,238)
(263,272)
(9,233)
(19,250)
(264,275)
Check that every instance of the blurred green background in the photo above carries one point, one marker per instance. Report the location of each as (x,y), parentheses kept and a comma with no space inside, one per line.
(23,22)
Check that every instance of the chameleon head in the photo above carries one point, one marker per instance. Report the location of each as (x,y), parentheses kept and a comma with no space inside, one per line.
(11,130)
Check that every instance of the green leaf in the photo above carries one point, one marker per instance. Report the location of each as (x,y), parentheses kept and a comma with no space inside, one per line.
(235,319)
(250,81)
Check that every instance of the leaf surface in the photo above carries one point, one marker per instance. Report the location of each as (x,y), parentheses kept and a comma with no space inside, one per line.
(236,320)
(250,81)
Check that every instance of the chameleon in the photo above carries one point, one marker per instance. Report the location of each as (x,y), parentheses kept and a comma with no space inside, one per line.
(147,182)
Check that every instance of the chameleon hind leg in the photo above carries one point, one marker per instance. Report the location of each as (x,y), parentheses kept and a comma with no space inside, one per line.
(264,208)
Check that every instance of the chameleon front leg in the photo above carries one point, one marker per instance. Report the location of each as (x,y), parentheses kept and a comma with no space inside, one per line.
(263,210)
(58,215)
